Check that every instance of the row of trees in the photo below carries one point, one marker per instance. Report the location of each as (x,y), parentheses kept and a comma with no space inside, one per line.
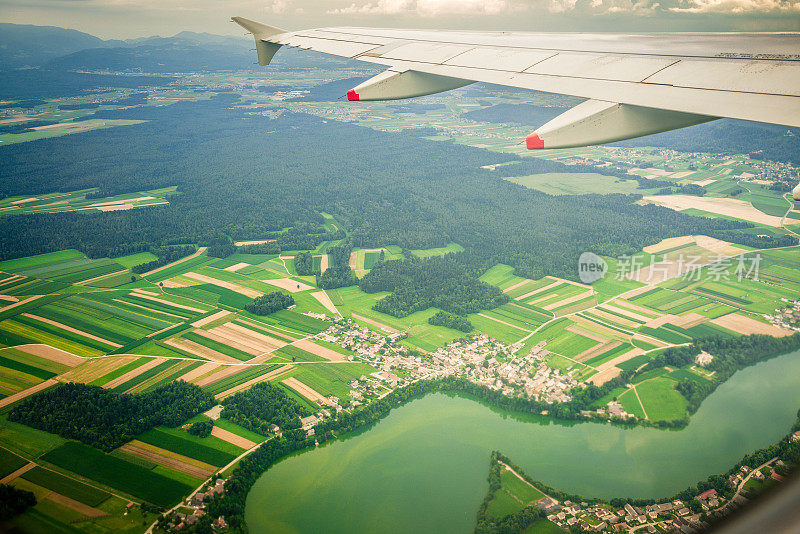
(729,355)
(451,320)
(164,255)
(106,420)
(338,274)
(304,264)
(511,523)
(270,303)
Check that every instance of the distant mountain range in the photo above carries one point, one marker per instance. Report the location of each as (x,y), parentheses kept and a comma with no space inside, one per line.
(52,48)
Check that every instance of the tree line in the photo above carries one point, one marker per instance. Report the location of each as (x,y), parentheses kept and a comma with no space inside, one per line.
(164,256)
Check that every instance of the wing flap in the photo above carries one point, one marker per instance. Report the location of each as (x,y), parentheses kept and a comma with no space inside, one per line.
(768,77)
(601,67)
(500,59)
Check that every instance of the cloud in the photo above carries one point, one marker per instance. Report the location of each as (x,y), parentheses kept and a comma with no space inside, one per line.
(277,6)
(426,8)
(736,6)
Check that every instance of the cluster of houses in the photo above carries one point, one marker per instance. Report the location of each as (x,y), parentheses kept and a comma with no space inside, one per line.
(193,509)
(613,410)
(488,362)
(672,516)
(479,358)
(787,317)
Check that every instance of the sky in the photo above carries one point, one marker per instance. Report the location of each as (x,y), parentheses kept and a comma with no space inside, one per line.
(136,18)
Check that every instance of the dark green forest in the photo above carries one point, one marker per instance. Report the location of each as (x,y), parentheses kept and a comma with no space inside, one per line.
(106,420)
(269,303)
(451,320)
(264,405)
(445,282)
(389,188)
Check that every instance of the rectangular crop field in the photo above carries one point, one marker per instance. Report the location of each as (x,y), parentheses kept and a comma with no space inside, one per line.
(66,486)
(106,469)
(188,447)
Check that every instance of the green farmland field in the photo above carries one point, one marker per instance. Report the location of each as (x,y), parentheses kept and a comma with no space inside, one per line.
(66,486)
(190,447)
(106,469)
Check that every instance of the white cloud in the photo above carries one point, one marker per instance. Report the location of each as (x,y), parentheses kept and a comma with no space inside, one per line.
(277,6)
(737,6)
(426,8)
(561,6)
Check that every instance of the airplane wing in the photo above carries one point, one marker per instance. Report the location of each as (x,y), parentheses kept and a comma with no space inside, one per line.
(636,84)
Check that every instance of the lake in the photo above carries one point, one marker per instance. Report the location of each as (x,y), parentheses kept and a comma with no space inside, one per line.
(423,468)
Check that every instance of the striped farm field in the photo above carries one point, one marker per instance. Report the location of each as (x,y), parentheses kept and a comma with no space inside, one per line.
(115,367)
(210,450)
(571,346)
(297,321)
(609,354)
(10,462)
(34,360)
(66,486)
(36,287)
(332,379)
(246,374)
(33,262)
(116,473)
(180,268)
(14,332)
(264,329)
(500,329)
(169,374)
(239,431)
(665,334)
(217,345)
(12,381)
(179,369)
(29,364)
(169,459)
(501,276)
(89,271)
(529,287)
(145,375)
(298,354)
(108,304)
(67,332)
(102,324)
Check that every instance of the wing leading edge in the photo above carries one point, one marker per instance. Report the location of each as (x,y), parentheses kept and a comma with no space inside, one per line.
(636,84)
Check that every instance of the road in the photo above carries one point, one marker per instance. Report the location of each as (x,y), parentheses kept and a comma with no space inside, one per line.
(791,207)
(209,479)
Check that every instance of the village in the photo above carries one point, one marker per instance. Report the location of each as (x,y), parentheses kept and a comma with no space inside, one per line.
(669,516)
(787,317)
(478,358)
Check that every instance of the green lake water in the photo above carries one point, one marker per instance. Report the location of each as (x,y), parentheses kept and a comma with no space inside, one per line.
(423,468)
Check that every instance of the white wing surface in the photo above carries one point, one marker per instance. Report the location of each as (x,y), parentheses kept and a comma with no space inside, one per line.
(637,84)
